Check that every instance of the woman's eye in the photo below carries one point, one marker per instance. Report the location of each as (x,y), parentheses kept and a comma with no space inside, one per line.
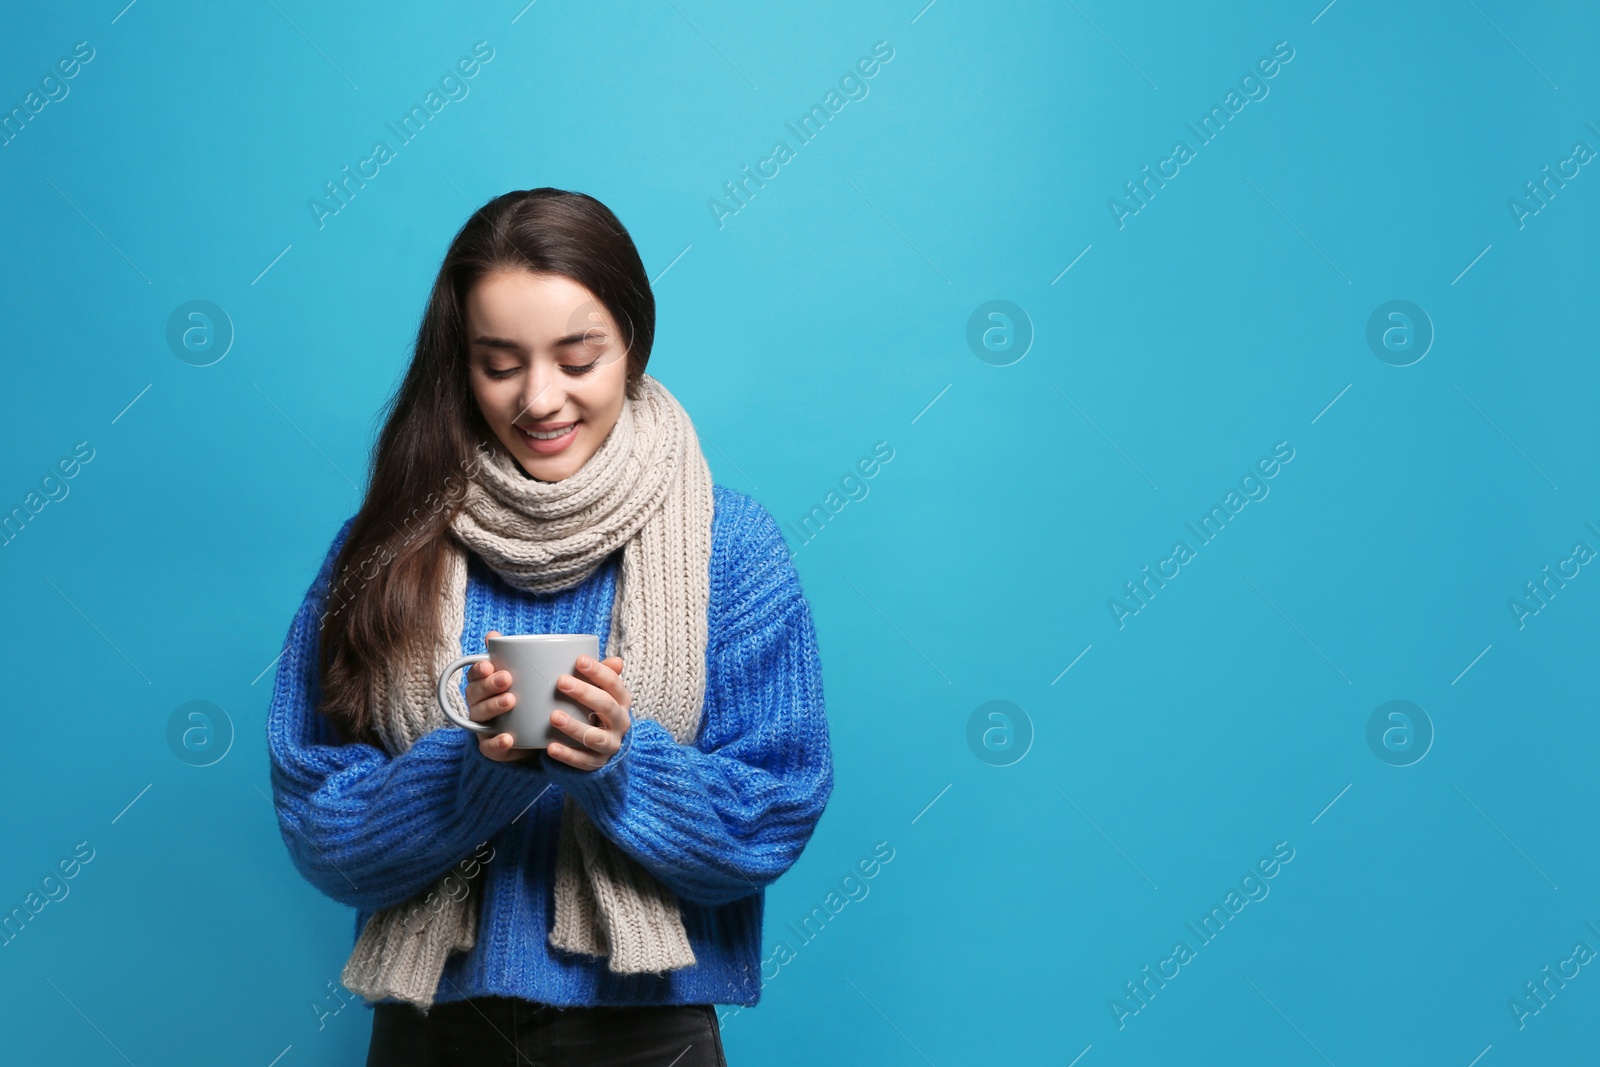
(570,368)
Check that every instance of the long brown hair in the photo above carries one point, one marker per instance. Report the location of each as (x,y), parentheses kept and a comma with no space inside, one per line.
(383,603)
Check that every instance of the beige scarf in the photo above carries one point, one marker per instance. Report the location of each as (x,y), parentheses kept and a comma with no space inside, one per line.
(646,490)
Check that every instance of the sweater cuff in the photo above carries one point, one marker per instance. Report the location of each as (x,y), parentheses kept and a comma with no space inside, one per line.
(605,788)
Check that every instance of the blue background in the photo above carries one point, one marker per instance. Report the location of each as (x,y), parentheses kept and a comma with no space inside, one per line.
(831,313)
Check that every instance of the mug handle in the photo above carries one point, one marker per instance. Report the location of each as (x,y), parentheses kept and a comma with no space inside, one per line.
(446,680)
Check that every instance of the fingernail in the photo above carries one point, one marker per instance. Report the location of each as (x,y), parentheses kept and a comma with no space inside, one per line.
(583,663)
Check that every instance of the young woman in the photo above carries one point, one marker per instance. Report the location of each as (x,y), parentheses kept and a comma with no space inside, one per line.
(588,903)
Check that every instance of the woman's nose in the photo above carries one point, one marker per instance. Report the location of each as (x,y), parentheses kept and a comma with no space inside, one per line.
(543,395)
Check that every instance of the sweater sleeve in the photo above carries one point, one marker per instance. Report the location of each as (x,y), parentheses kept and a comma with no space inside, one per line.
(722,818)
(366,828)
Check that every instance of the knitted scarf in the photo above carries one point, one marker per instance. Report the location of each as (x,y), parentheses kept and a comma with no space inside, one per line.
(647,491)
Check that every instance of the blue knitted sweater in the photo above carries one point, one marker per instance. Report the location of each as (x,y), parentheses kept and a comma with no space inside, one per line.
(715,821)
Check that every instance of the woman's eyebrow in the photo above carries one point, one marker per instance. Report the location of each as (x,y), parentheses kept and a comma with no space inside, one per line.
(497,342)
(506,342)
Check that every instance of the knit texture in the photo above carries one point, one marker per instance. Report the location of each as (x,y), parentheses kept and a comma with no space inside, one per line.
(646,493)
(714,819)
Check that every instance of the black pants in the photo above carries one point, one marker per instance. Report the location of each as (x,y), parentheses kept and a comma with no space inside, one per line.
(510,1031)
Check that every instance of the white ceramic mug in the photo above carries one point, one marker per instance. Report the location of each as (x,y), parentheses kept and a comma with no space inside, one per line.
(535,661)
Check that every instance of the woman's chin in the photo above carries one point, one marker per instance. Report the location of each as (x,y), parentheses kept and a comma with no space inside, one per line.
(548,468)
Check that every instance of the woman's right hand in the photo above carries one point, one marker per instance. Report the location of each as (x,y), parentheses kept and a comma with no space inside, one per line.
(487,697)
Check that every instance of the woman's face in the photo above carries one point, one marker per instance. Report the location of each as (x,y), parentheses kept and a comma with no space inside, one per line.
(545,357)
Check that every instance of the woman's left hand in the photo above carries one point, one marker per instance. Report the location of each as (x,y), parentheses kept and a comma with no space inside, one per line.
(599,689)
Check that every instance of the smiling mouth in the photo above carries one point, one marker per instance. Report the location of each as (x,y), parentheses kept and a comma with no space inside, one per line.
(548,435)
